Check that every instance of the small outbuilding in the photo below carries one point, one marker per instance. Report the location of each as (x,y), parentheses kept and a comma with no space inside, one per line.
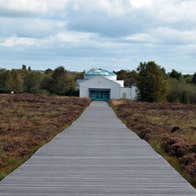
(101,85)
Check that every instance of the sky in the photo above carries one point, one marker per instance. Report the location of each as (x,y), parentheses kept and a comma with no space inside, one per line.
(112,34)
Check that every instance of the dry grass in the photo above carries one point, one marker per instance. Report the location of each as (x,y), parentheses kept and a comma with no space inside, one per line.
(29,121)
(169,128)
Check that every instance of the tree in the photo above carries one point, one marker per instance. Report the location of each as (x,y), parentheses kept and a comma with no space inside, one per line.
(14,81)
(151,82)
(175,74)
(29,68)
(187,78)
(194,78)
(3,76)
(47,83)
(48,71)
(60,82)
(24,67)
(32,81)
(181,91)
(129,77)
(70,84)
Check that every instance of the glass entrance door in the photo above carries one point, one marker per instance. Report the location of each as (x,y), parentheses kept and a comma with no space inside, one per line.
(99,94)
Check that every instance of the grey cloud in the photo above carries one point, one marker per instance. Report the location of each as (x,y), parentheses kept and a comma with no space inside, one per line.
(29,27)
(109,25)
(122,35)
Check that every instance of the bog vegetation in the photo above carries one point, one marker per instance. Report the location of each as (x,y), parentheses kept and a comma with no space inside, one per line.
(28,121)
(170,129)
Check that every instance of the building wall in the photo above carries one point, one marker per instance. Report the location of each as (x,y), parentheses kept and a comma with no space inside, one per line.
(100,82)
(134,93)
(129,93)
(116,89)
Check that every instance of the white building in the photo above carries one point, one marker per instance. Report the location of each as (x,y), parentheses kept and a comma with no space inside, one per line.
(100,84)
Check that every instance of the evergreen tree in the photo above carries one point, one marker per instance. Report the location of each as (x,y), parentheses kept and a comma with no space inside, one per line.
(151,82)
(175,74)
(32,82)
(24,67)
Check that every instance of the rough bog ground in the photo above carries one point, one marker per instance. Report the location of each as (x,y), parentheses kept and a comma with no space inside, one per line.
(96,155)
(28,121)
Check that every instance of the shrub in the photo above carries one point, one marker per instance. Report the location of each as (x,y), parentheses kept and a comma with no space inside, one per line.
(193,148)
(191,169)
(188,159)
(10,146)
(145,134)
(188,162)
(180,91)
(175,146)
(1,162)
(174,129)
(22,151)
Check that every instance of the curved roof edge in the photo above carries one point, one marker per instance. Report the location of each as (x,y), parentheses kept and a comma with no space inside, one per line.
(99,72)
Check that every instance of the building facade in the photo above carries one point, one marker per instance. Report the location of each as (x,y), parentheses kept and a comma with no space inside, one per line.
(100,84)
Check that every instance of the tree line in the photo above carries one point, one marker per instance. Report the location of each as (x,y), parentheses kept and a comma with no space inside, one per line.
(154,84)
(58,81)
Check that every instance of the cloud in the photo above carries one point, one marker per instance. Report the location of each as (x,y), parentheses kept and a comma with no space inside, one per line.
(123,17)
(120,31)
(141,3)
(15,41)
(164,36)
(55,40)
(30,27)
(107,18)
(31,7)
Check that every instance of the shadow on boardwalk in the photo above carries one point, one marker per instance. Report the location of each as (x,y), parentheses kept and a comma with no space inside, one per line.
(97,155)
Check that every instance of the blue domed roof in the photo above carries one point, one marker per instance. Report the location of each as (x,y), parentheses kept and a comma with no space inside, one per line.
(99,72)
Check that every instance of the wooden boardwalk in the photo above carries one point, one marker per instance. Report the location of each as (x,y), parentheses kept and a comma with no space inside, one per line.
(96,156)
